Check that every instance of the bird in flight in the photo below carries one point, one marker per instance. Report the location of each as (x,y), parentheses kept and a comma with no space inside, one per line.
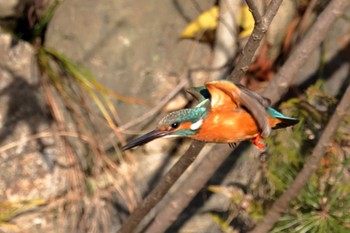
(226,113)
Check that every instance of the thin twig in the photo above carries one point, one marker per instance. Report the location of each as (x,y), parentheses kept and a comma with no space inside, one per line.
(307,17)
(253,43)
(255,12)
(43,134)
(156,108)
(281,204)
(302,52)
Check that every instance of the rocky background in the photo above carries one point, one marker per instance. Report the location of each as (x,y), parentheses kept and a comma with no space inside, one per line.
(132,48)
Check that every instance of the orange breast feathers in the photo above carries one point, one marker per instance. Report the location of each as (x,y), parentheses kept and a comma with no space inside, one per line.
(229,126)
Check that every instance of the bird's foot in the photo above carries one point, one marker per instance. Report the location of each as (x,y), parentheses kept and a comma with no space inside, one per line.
(257,142)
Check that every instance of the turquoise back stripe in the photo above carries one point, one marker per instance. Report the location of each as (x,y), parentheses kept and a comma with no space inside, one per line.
(276,114)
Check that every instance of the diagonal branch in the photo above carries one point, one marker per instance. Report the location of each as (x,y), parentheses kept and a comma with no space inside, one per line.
(189,189)
(301,53)
(282,203)
(162,188)
(310,42)
(156,109)
(278,86)
(260,28)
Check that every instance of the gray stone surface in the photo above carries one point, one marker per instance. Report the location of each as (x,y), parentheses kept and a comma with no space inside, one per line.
(131,47)
(13,8)
(27,164)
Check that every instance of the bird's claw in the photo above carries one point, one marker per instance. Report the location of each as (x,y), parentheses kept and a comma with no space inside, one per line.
(257,142)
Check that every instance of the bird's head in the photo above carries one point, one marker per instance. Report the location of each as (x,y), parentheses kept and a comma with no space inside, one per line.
(181,123)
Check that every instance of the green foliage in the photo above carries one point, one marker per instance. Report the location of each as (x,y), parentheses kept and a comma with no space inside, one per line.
(290,146)
(323,205)
(10,209)
(40,26)
(224,225)
(32,26)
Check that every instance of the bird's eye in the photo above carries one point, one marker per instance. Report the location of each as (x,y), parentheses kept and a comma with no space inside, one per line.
(175,125)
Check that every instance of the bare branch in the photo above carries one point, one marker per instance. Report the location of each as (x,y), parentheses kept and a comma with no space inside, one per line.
(282,203)
(152,112)
(156,109)
(189,189)
(309,43)
(162,187)
(255,11)
(253,43)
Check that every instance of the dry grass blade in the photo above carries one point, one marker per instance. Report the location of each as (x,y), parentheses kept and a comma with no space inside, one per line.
(70,91)
(84,76)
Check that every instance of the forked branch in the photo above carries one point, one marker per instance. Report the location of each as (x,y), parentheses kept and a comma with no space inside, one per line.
(260,28)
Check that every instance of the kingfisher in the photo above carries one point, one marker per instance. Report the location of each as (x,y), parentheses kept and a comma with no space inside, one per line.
(226,112)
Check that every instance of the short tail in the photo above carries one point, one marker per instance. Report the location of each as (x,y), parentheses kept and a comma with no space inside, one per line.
(285,121)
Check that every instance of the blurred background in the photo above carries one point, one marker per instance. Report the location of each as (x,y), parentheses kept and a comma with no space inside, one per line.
(79,78)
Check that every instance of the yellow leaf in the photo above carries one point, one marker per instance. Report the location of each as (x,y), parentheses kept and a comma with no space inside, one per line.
(246,22)
(205,23)
(204,26)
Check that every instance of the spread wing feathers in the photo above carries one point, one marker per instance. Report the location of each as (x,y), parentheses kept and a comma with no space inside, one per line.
(219,97)
(262,100)
(235,95)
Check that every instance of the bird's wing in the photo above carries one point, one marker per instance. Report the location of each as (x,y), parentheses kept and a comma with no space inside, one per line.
(225,92)
(219,97)
(262,100)
(201,94)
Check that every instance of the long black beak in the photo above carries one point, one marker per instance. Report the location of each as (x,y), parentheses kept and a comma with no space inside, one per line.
(145,138)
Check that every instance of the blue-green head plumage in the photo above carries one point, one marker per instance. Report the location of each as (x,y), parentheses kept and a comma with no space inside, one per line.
(171,126)
(173,120)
